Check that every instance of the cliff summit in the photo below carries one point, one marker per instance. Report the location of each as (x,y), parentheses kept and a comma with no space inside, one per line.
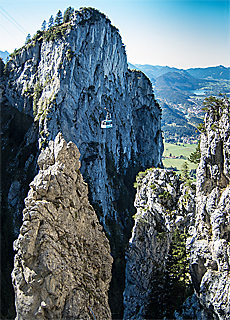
(61,82)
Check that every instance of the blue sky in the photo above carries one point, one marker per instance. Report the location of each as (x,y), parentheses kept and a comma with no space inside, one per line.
(182,34)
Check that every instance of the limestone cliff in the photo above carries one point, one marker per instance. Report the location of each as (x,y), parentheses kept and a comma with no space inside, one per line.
(157,278)
(62,268)
(210,248)
(65,85)
(174,225)
(62,81)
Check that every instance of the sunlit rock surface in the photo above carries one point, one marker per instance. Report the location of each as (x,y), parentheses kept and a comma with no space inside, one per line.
(64,83)
(210,250)
(62,268)
(165,205)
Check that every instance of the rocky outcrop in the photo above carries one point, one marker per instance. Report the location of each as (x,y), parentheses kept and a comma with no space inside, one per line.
(62,267)
(63,80)
(65,84)
(171,214)
(165,210)
(210,248)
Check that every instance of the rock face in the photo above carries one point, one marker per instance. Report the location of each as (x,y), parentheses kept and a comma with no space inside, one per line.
(62,268)
(165,209)
(210,250)
(62,81)
(19,155)
(168,212)
(65,84)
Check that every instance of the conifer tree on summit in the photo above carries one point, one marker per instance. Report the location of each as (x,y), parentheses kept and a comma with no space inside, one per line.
(58,18)
(43,27)
(51,22)
(68,14)
(28,38)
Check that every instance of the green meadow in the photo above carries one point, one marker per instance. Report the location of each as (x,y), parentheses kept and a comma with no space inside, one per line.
(176,154)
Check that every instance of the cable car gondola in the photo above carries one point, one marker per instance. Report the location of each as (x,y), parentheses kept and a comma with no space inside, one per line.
(107,123)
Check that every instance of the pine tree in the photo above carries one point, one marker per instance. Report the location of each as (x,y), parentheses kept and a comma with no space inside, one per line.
(215,105)
(179,286)
(212,103)
(51,22)
(185,171)
(43,27)
(2,65)
(58,18)
(171,287)
(195,156)
(28,38)
(68,14)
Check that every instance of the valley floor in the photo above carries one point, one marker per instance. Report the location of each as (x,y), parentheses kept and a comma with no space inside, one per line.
(175,155)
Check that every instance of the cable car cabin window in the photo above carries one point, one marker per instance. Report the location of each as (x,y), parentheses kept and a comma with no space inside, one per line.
(105,124)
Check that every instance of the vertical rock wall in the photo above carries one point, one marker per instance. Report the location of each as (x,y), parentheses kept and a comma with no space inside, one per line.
(64,81)
(165,210)
(210,250)
(62,268)
(164,205)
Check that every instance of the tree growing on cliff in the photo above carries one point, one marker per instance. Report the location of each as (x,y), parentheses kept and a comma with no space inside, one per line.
(58,18)
(2,65)
(215,105)
(212,103)
(51,22)
(171,287)
(195,156)
(177,266)
(28,38)
(43,27)
(68,14)
(185,171)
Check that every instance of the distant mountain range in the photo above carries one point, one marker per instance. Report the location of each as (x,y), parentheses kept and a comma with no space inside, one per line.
(176,88)
(210,73)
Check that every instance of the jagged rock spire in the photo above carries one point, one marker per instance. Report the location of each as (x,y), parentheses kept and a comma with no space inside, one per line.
(62,267)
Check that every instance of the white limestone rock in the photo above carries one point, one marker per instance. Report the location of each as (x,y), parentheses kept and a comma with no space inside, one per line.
(161,209)
(210,265)
(79,74)
(62,268)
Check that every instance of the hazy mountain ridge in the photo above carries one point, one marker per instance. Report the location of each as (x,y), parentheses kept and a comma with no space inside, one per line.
(176,87)
(179,80)
(213,73)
